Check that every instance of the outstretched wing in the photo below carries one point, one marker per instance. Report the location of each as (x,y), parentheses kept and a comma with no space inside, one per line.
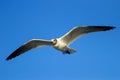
(81,30)
(34,43)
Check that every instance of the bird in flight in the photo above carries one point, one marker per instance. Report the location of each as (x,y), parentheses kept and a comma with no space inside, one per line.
(62,43)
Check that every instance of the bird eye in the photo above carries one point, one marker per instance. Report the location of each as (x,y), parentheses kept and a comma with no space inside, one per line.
(55,40)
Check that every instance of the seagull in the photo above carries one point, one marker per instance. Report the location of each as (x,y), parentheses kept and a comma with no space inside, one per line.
(62,43)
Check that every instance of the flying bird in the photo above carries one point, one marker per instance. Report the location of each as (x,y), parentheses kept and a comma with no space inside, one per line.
(62,43)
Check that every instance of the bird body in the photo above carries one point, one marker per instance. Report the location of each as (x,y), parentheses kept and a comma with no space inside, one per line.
(62,43)
(63,47)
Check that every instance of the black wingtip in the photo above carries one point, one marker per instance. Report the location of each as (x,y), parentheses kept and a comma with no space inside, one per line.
(8,58)
(112,27)
(11,56)
(109,28)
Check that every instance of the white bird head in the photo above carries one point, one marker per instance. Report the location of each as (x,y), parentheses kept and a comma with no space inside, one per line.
(54,41)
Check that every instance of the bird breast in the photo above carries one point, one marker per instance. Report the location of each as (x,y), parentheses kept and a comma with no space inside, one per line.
(60,45)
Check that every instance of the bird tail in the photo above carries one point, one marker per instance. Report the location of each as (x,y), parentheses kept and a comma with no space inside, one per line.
(72,50)
(69,51)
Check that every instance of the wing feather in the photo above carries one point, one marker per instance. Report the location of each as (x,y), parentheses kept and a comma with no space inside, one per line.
(76,32)
(34,43)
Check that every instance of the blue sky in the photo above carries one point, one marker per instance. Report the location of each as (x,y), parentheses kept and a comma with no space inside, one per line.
(98,56)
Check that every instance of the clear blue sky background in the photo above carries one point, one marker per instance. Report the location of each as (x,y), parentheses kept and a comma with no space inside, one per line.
(98,56)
